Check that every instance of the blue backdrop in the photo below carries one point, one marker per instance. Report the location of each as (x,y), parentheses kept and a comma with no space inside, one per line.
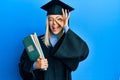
(96,21)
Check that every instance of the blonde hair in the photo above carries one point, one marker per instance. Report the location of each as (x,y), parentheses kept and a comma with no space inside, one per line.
(47,34)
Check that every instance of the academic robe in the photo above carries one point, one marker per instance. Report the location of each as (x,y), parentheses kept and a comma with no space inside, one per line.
(63,58)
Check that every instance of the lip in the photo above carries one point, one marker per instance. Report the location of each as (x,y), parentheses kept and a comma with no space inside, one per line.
(55,28)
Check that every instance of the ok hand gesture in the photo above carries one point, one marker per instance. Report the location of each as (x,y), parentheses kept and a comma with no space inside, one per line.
(66,16)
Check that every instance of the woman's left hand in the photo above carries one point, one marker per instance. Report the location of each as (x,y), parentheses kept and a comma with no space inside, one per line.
(66,16)
(63,21)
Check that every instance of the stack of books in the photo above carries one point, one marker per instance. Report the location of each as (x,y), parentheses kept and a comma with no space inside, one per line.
(33,47)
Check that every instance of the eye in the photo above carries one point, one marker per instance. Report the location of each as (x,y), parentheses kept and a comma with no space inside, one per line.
(59,19)
(50,19)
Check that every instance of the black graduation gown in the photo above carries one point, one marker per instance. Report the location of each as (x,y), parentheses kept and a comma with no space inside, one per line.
(63,58)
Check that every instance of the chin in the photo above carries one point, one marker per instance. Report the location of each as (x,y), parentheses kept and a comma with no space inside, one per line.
(55,32)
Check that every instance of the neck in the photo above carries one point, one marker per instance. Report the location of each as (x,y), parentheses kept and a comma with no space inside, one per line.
(59,35)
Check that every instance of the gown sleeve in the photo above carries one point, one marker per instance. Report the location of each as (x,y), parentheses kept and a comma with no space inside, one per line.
(71,50)
(25,67)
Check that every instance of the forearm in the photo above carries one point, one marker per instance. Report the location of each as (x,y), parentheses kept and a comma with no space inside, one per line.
(25,67)
(25,71)
(66,28)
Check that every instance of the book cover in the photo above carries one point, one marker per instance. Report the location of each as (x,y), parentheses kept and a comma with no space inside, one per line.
(33,47)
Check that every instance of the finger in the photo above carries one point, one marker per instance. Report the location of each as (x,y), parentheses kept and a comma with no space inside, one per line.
(63,12)
(45,66)
(66,13)
(61,25)
(38,59)
(57,21)
(45,61)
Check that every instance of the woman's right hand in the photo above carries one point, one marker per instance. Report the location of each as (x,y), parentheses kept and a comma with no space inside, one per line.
(41,63)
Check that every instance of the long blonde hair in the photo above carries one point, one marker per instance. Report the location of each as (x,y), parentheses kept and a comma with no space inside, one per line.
(47,34)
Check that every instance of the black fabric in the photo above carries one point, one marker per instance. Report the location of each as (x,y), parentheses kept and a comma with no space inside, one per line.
(55,7)
(72,50)
(62,59)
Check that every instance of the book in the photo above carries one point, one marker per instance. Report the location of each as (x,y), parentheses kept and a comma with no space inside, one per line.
(33,47)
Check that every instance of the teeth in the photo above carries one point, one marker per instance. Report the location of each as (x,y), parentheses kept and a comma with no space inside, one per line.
(55,27)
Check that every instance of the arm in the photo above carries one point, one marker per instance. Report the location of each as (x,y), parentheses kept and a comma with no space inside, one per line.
(71,49)
(25,66)
(26,69)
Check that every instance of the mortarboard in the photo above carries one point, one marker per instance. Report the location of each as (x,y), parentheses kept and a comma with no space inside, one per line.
(55,7)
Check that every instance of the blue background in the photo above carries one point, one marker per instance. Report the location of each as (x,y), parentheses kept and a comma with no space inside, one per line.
(96,21)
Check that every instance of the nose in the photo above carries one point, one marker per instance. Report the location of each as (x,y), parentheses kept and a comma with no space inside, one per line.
(54,22)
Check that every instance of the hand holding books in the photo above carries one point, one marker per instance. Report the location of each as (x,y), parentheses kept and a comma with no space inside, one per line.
(34,50)
(41,63)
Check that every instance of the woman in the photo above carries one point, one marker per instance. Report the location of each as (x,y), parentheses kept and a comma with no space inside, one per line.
(63,49)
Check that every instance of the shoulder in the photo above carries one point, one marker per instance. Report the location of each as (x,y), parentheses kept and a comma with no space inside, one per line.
(41,36)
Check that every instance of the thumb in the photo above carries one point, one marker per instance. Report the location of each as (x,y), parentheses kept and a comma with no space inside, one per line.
(40,57)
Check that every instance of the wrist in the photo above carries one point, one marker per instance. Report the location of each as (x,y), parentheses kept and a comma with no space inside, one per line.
(66,28)
(66,24)
(34,66)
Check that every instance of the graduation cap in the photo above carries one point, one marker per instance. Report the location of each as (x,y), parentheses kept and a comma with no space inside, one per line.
(55,7)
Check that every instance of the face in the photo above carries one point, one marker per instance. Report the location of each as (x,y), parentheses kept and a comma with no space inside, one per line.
(55,23)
